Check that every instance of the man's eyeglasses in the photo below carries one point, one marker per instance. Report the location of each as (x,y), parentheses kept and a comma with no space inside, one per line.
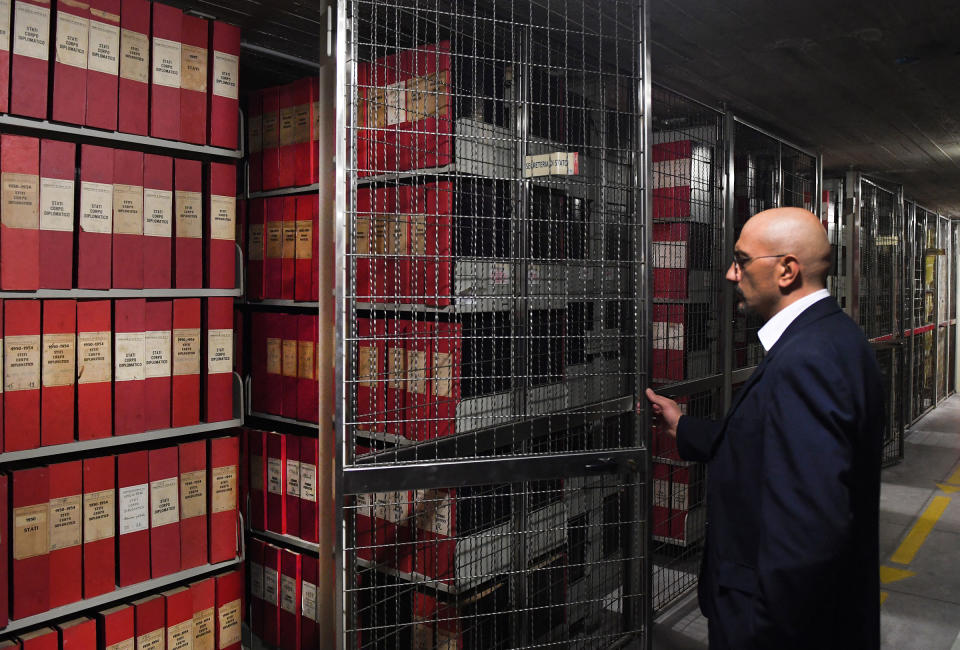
(740,261)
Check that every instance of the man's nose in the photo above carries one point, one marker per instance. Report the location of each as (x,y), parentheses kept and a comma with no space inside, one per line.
(732,273)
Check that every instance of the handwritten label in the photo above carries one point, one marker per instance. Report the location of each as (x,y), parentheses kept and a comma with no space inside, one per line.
(224,486)
(66,527)
(193,494)
(134,514)
(223,218)
(59,359)
(21,200)
(98,513)
(193,66)
(186,351)
(94,357)
(189,211)
(21,363)
(134,63)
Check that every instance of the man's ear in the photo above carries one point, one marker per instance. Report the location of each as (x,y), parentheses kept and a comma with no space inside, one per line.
(788,271)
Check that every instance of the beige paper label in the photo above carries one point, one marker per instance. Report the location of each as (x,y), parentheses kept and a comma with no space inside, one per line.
(418,234)
(442,374)
(72,34)
(274,356)
(256,580)
(361,243)
(274,240)
(417,372)
(308,600)
(255,134)
(127,209)
(56,204)
(301,123)
(306,364)
(219,351)
(230,616)
(289,240)
(66,528)
(368,371)
(59,359)
(158,346)
(223,217)
(157,211)
(180,636)
(134,511)
(96,207)
(288,594)
(104,48)
(193,65)
(433,511)
(308,482)
(126,644)
(193,494)
(305,240)
(275,476)
(398,363)
(31,31)
(151,640)
(166,63)
(224,488)
(98,510)
(186,351)
(391,506)
(270,586)
(255,242)
(134,62)
(164,502)
(21,363)
(5,25)
(30,531)
(130,350)
(189,210)
(271,132)
(289,358)
(203,630)
(293,478)
(427,96)
(21,200)
(225,75)
(287,130)
(94,357)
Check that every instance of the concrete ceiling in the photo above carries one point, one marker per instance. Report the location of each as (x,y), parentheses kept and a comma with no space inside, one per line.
(872,84)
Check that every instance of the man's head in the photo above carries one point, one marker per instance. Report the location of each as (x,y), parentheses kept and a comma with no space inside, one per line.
(782,255)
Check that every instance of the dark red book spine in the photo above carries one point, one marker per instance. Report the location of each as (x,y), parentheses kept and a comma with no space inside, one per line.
(158,340)
(254,140)
(157,221)
(133,518)
(193,504)
(58,168)
(21,375)
(288,391)
(186,362)
(78,634)
(204,595)
(256,249)
(315,290)
(4,551)
(193,80)
(309,458)
(103,64)
(224,85)
(45,638)
(257,459)
(291,492)
(188,228)
(222,228)
(309,609)
(133,86)
(149,622)
(129,370)
(224,470)
(166,72)
(66,532)
(5,67)
(270,123)
(164,511)
(30,61)
(116,627)
(218,372)
(70,62)
(303,157)
(270,615)
(229,617)
(273,264)
(179,618)
(288,263)
(19,211)
(289,610)
(59,371)
(315,128)
(99,526)
(255,550)
(94,370)
(127,219)
(304,259)
(276,482)
(287,137)
(307,398)
(30,584)
(95,235)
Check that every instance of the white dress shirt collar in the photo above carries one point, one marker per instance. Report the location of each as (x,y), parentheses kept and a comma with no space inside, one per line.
(773,329)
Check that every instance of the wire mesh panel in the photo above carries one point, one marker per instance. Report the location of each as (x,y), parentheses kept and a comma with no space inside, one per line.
(880,240)
(954,256)
(923,336)
(798,174)
(687,232)
(944,343)
(492,240)
(890,360)
(831,212)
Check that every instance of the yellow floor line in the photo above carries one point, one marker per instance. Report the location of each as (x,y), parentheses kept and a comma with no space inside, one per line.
(955,478)
(921,528)
(883,596)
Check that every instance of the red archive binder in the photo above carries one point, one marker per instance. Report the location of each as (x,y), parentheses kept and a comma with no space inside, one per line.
(128,219)
(158,340)
(288,392)
(287,137)
(70,61)
(78,634)
(218,380)
(371,373)
(133,85)
(164,511)
(229,610)
(99,525)
(59,370)
(276,482)
(270,613)
(255,569)
(204,595)
(133,519)
(157,221)
(94,369)
(95,235)
(30,579)
(116,627)
(58,168)
(45,638)
(307,399)
(166,72)
(150,616)
(273,393)
(291,492)
(21,374)
(4,551)
(65,522)
(193,80)
(193,504)
(29,65)
(19,212)
(304,258)
(270,124)
(289,610)
(273,263)
(222,229)
(309,607)
(224,85)
(188,228)
(185,384)
(288,264)
(309,458)
(179,618)
(103,64)
(304,156)
(254,140)
(257,459)
(224,469)
(256,249)
(129,374)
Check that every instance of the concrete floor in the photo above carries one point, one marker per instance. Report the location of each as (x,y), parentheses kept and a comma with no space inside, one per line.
(920,611)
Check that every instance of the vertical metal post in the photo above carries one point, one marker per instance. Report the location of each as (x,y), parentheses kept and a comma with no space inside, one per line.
(779,176)
(818,187)
(727,320)
(936,310)
(851,215)
(910,215)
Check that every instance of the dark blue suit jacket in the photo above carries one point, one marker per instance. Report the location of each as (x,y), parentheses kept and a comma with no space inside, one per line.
(791,558)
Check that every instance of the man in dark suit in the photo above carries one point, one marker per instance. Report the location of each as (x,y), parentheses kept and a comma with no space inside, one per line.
(791,554)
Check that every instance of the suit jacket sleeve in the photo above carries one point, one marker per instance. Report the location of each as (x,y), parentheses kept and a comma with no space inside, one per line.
(697,438)
(805,500)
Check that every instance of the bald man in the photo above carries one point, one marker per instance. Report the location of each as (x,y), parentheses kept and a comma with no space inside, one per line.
(791,555)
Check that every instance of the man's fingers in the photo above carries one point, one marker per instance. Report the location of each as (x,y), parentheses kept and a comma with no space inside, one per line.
(655,399)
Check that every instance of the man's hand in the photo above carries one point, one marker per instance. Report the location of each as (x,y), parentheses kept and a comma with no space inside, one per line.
(666,413)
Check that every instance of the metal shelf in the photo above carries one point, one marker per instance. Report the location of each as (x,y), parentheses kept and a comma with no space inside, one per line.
(117,441)
(461,306)
(281,304)
(287,541)
(82,133)
(122,594)
(122,293)
(285,191)
(305,427)
(663,460)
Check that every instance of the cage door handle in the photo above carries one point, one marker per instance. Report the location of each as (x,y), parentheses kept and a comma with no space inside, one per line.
(602,465)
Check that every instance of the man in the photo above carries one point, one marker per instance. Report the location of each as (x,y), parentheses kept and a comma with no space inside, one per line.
(791,555)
